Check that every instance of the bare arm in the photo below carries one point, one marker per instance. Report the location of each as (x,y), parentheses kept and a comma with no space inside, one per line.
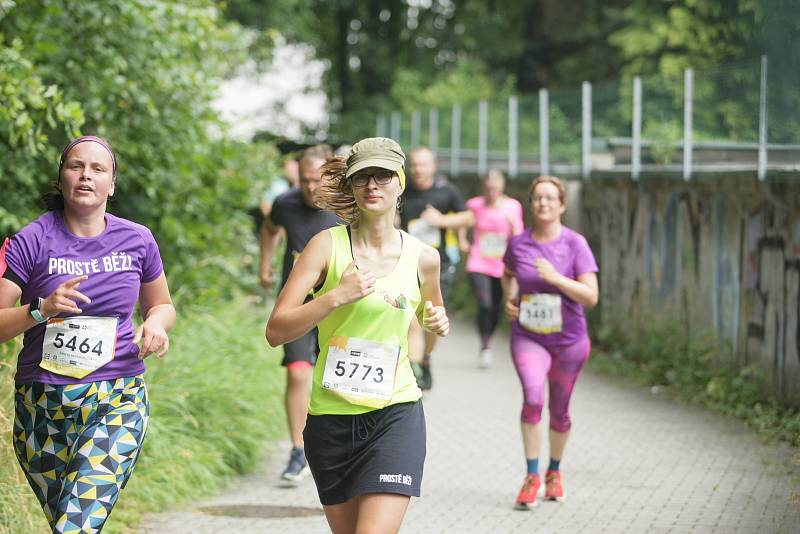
(431,312)
(159,317)
(583,290)
(291,317)
(269,239)
(463,242)
(15,320)
(438,219)
(510,294)
(459,219)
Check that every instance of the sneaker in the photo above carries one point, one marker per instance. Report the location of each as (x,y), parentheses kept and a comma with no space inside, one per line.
(527,495)
(425,380)
(485,359)
(297,469)
(553,489)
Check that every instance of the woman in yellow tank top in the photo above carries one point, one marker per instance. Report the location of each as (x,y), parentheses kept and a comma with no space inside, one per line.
(365,434)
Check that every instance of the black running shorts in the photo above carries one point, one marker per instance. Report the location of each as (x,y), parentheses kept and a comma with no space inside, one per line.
(382,451)
(303,349)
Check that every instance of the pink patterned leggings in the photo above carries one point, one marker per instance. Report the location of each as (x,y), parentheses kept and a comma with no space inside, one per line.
(559,366)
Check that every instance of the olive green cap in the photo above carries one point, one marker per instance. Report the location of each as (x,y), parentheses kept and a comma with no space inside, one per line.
(375,152)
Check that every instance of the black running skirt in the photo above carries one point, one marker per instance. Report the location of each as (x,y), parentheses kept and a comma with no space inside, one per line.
(382,451)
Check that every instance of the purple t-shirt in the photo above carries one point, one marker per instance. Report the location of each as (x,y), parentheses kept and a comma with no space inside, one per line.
(44,254)
(571,256)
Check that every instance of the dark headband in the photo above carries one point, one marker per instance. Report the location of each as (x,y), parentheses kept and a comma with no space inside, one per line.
(99,140)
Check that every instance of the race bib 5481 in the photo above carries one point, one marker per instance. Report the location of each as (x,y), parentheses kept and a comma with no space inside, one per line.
(540,313)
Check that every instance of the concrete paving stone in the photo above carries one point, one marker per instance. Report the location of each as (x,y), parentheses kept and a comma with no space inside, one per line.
(636,463)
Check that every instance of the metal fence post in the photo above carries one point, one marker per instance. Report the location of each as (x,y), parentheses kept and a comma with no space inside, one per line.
(586,130)
(483,135)
(380,125)
(415,126)
(544,133)
(636,134)
(395,128)
(455,140)
(433,130)
(513,139)
(762,122)
(688,93)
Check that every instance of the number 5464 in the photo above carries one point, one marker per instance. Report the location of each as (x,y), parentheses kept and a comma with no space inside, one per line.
(72,344)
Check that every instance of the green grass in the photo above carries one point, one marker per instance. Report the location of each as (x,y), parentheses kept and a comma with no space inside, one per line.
(19,509)
(694,368)
(215,401)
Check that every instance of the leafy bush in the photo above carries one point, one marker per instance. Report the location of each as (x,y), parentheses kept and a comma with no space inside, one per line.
(142,74)
(695,368)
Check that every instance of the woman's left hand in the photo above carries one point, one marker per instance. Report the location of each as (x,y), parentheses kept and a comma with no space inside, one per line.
(435,319)
(546,271)
(154,338)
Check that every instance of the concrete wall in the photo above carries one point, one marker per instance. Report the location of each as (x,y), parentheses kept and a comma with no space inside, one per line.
(720,254)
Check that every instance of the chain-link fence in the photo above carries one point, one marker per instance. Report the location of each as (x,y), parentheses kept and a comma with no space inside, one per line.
(734,118)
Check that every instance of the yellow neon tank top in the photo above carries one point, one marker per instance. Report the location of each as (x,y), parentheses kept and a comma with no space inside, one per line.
(383,316)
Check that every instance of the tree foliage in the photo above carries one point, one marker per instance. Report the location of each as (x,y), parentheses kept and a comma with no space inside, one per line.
(667,36)
(397,54)
(143,74)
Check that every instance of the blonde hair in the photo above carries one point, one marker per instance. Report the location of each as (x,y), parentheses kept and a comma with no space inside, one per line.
(495,174)
(336,193)
(562,193)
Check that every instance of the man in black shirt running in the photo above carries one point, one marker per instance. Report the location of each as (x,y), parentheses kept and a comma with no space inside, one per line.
(429,208)
(295,212)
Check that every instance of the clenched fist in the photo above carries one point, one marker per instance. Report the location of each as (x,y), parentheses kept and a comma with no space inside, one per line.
(355,284)
(434,319)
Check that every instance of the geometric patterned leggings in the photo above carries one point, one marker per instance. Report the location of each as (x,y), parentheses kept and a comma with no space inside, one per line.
(558,367)
(77,445)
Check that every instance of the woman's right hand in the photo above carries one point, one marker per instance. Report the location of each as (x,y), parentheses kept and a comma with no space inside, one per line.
(64,298)
(266,279)
(512,308)
(355,284)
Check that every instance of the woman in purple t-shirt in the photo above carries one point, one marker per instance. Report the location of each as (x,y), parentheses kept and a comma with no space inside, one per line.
(81,403)
(550,276)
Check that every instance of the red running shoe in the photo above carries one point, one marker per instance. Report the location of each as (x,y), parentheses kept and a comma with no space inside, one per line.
(553,489)
(527,495)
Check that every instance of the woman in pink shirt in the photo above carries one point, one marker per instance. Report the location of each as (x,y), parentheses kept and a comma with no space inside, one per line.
(496,218)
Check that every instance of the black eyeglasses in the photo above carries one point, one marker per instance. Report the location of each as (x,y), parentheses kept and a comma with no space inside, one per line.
(361,179)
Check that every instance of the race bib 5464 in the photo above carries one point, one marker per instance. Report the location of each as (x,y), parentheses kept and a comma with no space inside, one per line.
(76,346)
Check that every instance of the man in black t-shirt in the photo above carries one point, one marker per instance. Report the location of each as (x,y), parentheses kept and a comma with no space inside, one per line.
(429,208)
(294,212)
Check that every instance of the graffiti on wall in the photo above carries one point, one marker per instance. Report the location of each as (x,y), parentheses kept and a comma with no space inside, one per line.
(716,256)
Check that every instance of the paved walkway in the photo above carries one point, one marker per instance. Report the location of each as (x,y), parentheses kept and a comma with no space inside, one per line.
(637,463)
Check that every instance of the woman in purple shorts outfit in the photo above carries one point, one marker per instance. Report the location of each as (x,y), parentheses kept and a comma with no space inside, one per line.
(80,399)
(550,276)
